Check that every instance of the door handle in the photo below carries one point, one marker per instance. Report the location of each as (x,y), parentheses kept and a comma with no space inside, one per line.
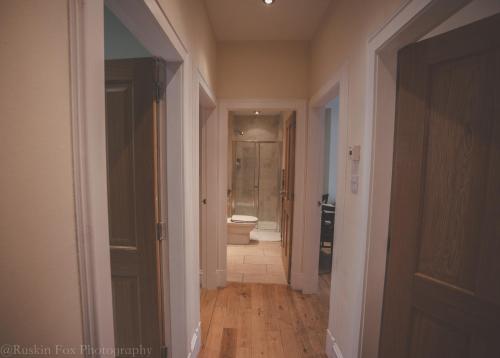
(204,201)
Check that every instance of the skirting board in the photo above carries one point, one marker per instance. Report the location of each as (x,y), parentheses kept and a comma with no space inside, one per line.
(332,348)
(221,278)
(296,280)
(195,342)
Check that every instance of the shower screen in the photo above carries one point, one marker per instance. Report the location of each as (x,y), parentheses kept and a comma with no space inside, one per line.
(256,173)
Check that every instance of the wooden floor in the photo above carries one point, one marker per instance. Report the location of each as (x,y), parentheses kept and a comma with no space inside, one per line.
(264,320)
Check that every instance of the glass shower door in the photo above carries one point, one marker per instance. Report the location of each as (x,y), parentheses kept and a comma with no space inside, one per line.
(269,166)
(244,178)
(256,181)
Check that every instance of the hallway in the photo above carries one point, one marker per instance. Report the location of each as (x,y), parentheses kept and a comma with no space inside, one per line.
(264,320)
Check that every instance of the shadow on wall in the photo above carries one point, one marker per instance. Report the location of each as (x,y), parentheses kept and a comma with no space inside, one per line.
(119,42)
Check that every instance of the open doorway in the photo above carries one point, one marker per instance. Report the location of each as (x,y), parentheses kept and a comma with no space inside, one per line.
(135,103)
(328,197)
(256,167)
(207,129)
(87,59)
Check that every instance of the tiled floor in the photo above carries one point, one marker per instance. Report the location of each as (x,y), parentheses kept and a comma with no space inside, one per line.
(265,235)
(257,262)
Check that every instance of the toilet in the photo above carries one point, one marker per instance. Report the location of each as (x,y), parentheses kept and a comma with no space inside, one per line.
(238,229)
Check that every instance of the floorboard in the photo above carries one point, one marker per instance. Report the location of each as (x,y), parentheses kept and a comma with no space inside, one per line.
(247,320)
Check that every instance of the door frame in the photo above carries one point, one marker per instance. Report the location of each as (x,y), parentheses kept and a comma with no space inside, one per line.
(337,86)
(208,110)
(298,241)
(413,20)
(147,21)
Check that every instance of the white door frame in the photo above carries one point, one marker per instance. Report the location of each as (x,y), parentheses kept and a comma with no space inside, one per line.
(413,20)
(146,20)
(338,85)
(298,242)
(208,111)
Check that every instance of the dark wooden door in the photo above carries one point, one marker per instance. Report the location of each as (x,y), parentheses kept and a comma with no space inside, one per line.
(288,195)
(133,201)
(442,293)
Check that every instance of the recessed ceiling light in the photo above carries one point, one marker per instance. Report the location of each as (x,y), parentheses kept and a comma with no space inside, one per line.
(268,2)
(257,113)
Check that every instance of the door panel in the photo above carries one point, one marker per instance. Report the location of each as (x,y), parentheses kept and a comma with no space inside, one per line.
(288,195)
(120,159)
(132,157)
(442,283)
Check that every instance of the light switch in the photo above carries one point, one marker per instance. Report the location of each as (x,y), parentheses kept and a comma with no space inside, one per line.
(354,183)
(355,153)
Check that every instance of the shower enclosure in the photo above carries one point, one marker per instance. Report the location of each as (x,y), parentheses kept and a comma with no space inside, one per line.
(256,181)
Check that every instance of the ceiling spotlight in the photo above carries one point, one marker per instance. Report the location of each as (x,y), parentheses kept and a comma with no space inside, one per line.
(268,2)
(257,113)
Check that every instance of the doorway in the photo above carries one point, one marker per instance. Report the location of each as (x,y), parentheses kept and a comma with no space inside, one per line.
(207,130)
(146,22)
(226,109)
(135,116)
(255,181)
(328,197)
(256,168)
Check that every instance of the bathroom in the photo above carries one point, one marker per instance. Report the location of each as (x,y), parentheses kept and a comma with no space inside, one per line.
(255,176)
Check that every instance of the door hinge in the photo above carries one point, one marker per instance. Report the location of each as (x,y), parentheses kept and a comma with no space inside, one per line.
(161,231)
(159,79)
(164,352)
(159,90)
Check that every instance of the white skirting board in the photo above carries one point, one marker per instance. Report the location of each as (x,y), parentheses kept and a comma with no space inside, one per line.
(332,348)
(221,278)
(195,342)
(297,280)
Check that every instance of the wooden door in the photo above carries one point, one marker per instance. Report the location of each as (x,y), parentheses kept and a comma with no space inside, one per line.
(442,294)
(288,195)
(132,103)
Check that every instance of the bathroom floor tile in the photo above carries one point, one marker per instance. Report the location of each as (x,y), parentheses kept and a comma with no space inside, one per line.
(246,268)
(235,259)
(274,268)
(257,262)
(252,259)
(245,251)
(272,251)
(264,278)
(234,277)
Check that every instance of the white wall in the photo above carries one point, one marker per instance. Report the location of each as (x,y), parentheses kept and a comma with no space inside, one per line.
(340,43)
(39,299)
(474,11)
(263,69)
(119,41)
(190,21)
